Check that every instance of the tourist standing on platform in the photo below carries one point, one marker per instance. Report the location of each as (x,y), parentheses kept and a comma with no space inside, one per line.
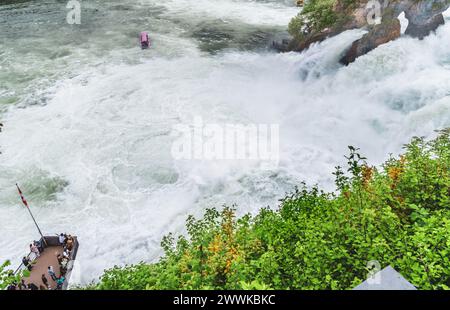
(45,281)
(26,263)
(51,273)
(62,239)
(34,249)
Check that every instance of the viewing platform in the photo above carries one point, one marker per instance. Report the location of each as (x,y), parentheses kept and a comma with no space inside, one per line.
(49,257)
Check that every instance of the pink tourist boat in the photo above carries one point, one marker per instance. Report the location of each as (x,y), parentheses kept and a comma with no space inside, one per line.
(145,41)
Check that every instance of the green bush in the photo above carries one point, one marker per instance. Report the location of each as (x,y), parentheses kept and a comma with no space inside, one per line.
(316,15)
(398,215)
(8,277)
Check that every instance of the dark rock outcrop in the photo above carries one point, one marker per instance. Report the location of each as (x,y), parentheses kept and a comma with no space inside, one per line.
(380,34)
(424,17)
(422,30)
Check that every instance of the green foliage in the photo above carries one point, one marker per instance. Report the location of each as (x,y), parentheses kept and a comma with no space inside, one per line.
(398,215)
(8,277)
(316,15)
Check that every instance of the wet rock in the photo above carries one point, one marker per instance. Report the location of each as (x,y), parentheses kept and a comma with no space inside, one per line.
(281,46)
(379,34)
(422,30)
(424,17)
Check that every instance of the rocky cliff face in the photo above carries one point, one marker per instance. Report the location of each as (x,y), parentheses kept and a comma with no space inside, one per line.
(379,17)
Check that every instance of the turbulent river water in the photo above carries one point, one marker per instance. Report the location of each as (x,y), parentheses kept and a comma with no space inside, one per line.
(88,116)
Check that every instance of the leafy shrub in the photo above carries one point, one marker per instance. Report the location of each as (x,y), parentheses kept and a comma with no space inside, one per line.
(316,15)
(7,276)
(398,215)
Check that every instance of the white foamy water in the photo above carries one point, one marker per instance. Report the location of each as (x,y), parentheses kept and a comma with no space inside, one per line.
(251,12)
(89,140)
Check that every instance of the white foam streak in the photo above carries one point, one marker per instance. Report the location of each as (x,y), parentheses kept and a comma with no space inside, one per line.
(250,12)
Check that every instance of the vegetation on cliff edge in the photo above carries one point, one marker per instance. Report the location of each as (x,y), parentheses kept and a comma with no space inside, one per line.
(317,15)
(397,214)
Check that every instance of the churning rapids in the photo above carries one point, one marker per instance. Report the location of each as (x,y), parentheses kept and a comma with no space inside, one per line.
(88,116)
